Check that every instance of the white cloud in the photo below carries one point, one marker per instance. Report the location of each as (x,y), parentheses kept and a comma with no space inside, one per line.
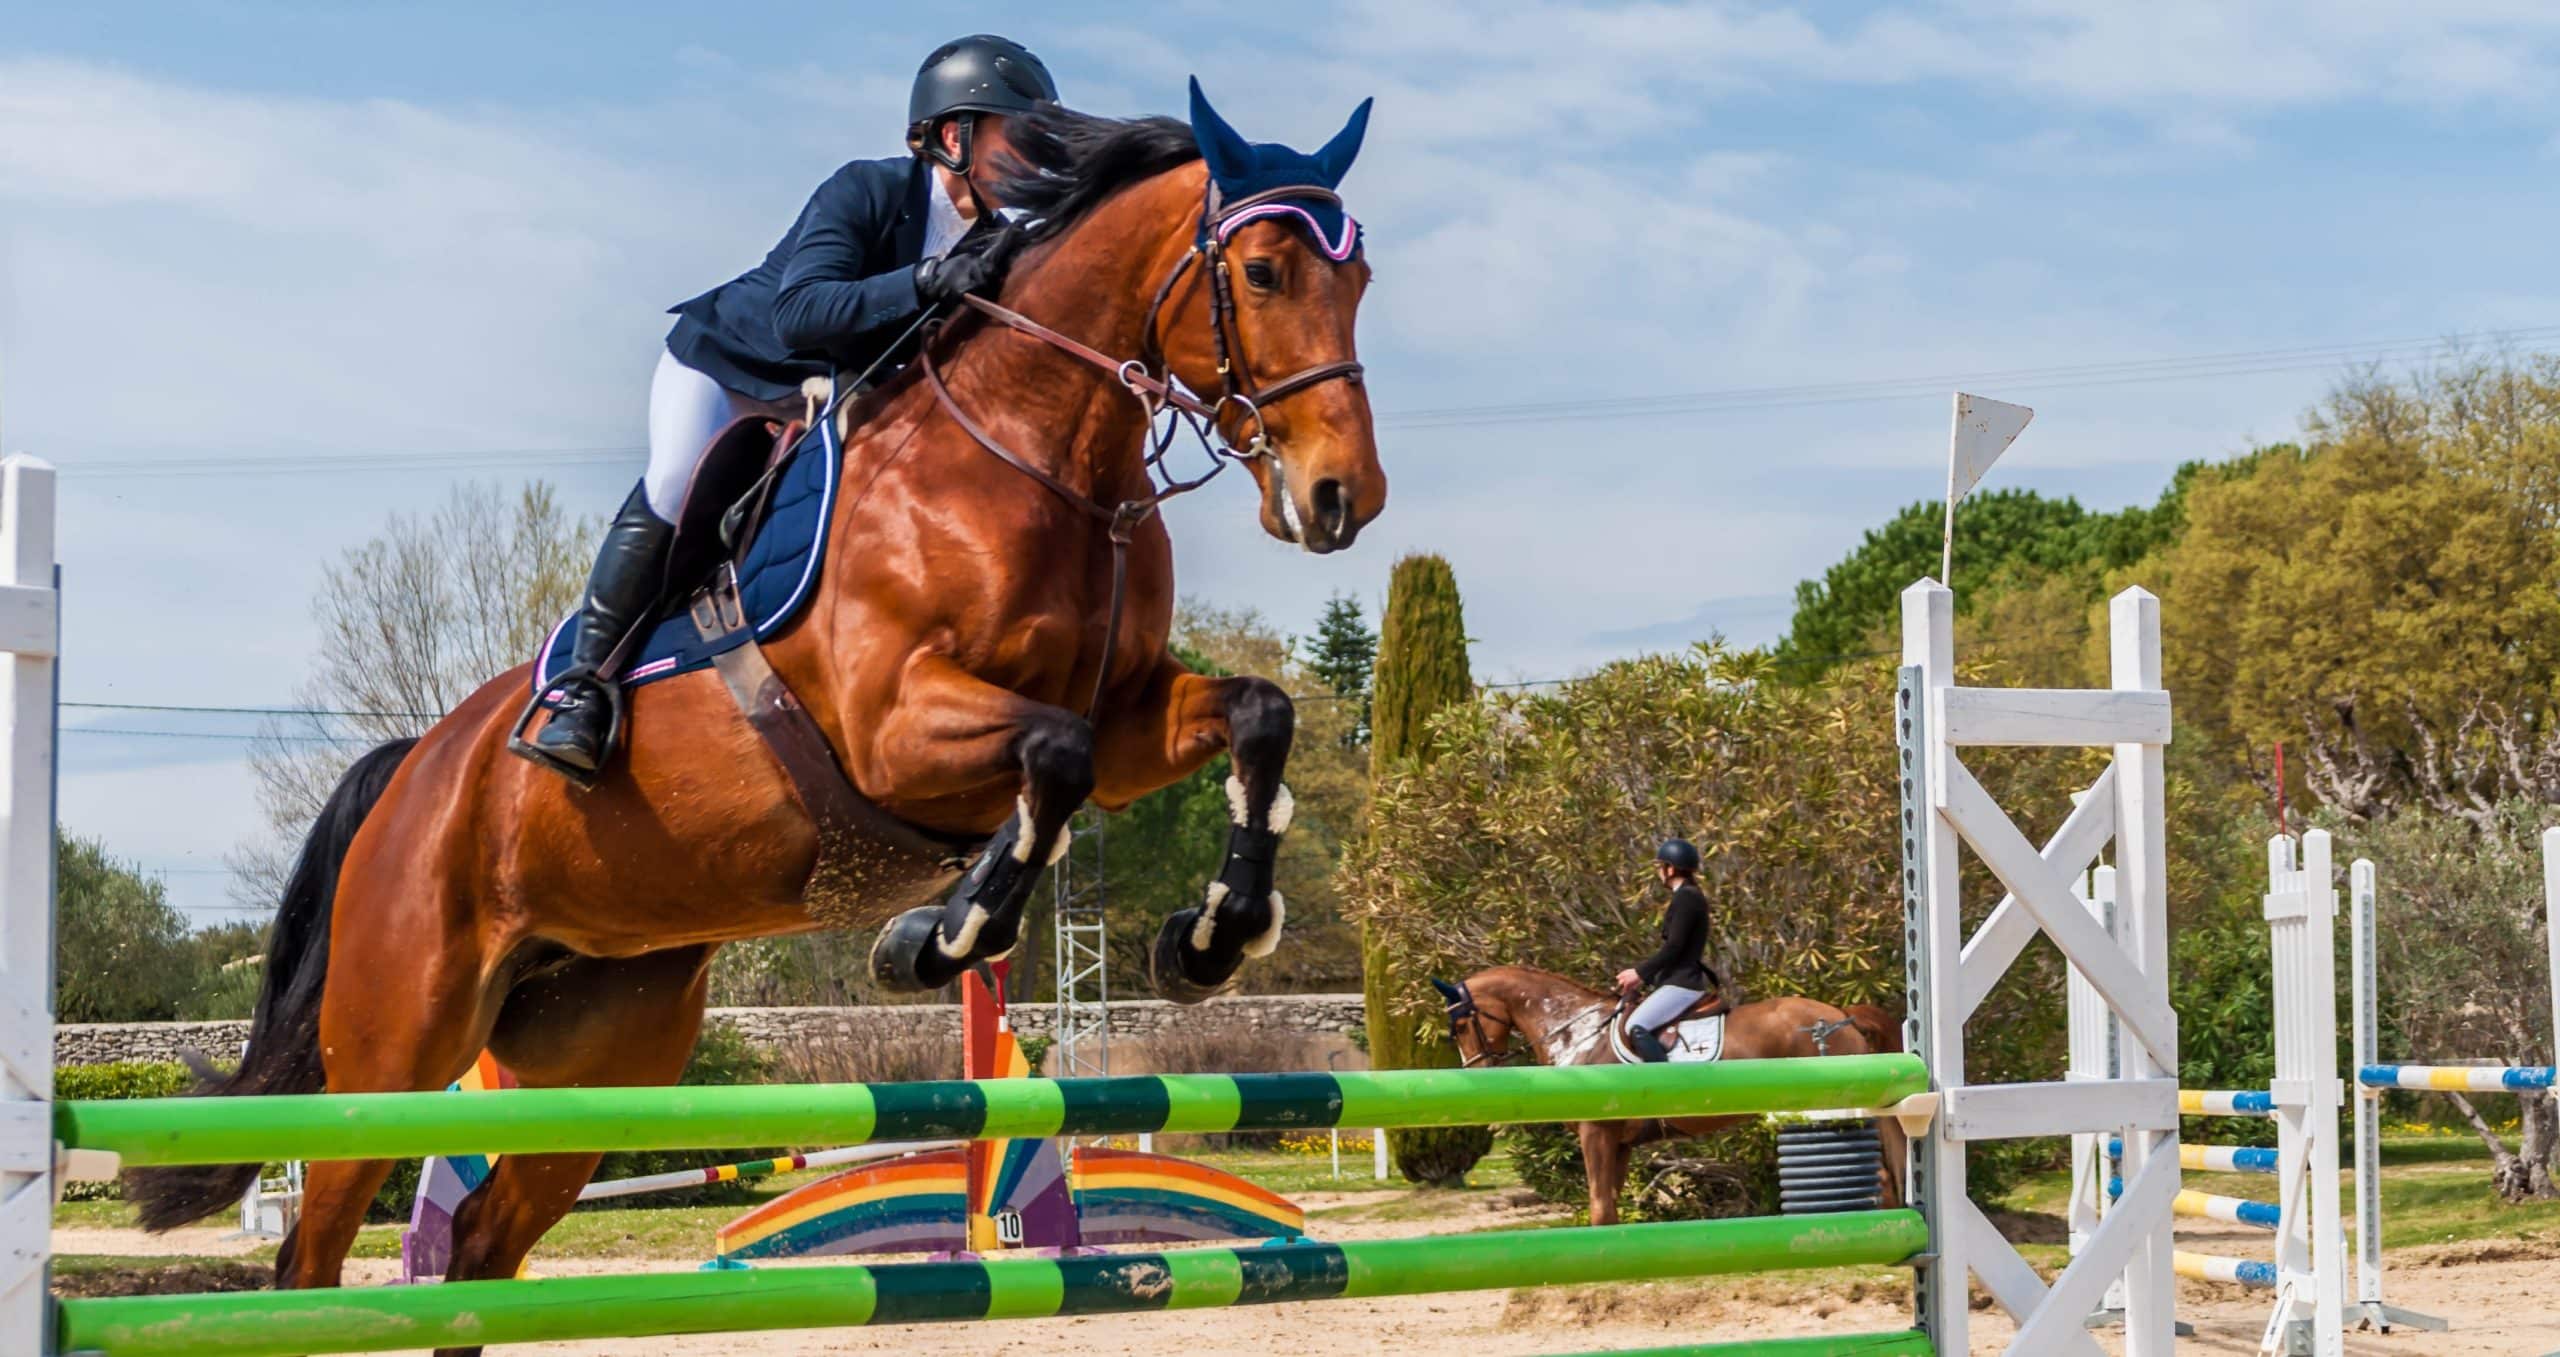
(303,270)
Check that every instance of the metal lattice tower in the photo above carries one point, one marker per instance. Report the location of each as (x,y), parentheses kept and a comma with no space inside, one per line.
(1084,985)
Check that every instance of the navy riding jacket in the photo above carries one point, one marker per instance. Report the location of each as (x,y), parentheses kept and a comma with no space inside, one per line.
(837,291)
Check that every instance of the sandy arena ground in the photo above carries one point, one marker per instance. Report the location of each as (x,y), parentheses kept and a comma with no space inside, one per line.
(2504,1301)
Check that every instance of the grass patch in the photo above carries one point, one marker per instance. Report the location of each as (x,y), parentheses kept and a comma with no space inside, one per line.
(2435,1190)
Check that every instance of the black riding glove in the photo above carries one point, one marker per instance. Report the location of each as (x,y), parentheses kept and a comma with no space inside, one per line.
(976,264)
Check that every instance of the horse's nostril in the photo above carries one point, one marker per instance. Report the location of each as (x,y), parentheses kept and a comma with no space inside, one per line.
(1333,507)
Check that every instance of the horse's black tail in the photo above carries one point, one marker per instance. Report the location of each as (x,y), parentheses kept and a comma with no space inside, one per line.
(284,1030)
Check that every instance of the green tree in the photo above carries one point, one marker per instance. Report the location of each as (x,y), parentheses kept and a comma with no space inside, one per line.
(2381,601)
(2007,541)
(1847,612)
(1422,659)
(121,952)
(1343,652)
(1422,672)
(226,963)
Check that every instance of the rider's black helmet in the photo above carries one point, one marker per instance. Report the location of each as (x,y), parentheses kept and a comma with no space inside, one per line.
(981,73)
(1680,855)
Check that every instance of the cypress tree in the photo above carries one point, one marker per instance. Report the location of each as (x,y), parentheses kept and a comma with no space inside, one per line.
(1422,667)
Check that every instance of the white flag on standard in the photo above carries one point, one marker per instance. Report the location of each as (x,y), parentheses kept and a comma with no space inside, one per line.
(1984,428)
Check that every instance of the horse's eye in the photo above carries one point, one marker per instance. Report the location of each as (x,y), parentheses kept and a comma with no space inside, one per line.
(1260,273)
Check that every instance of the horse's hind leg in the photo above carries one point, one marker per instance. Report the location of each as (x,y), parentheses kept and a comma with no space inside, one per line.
(402,1012)
(954,731)
(593,1023)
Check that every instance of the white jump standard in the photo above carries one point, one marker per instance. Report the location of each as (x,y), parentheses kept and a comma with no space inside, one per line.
(2308,1272)
(1943,805)
(2373,1078)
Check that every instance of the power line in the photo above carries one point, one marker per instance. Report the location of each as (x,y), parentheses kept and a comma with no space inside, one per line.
(1723,400)
(243,737)
(251,711)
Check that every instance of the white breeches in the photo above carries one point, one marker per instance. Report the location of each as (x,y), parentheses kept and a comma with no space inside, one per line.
(1663,1007)
(686,411)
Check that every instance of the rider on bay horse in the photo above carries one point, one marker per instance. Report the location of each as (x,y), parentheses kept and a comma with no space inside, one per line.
(1678,968)
(879,242)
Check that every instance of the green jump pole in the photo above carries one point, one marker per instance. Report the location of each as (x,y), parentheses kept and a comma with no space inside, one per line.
(461,1314)
(160,1132)
(1909,1343)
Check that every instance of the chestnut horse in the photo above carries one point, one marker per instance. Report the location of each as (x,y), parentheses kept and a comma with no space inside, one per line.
(1565,1023)
(453,898)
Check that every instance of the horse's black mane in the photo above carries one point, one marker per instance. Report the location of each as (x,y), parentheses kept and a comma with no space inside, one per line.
(1066,163)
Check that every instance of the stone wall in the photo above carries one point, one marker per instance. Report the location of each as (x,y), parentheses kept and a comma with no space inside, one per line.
(1323,1018)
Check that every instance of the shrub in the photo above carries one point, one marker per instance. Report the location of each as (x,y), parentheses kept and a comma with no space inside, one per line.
(1227,1050)
(121,1079)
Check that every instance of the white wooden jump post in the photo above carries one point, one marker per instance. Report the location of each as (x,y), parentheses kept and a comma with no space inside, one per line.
(2308,1272)
(1950,975)
(30,631)
(2302,913)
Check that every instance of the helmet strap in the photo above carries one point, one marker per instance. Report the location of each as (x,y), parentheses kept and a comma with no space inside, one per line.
(930,145)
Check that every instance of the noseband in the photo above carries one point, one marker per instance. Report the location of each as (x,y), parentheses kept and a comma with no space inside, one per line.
(1149,380)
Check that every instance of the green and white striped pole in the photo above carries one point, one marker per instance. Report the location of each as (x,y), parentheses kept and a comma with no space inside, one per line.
(103,1137)
(463,1314)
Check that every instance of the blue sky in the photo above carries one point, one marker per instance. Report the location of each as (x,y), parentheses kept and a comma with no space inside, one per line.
(447,234)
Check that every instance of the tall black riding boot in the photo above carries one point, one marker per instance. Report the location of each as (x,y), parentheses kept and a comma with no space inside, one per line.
(630,574)
(1647,1043)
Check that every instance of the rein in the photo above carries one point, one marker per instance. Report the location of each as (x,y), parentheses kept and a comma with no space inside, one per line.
(1149,381)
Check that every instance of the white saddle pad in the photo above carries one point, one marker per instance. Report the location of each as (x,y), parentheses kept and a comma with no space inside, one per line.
(1690,1042)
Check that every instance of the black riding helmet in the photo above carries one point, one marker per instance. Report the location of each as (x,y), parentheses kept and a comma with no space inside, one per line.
(981,73)
(1678,854)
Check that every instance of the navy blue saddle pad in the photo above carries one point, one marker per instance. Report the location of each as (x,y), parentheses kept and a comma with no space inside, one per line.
(775,578)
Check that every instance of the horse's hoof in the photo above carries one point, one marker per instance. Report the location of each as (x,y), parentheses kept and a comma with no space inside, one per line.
(1174,983)
(905,959)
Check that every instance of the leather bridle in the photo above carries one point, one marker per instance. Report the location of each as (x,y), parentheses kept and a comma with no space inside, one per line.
(1149,380)
(1465,1019)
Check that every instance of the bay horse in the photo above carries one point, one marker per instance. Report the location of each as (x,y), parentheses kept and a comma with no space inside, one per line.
(452,898)
(1567,1023)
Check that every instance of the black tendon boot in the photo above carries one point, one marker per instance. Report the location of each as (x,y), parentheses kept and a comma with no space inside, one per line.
(629,576)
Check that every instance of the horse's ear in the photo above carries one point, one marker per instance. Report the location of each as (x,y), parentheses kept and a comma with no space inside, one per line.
(1228,155)
(1448,991)
(1334,161)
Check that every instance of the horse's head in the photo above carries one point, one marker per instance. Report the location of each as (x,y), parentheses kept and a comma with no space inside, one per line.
(1482,1038)
(1284,277)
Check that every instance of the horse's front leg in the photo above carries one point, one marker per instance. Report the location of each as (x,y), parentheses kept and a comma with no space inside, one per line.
(1184,720)
(949,733)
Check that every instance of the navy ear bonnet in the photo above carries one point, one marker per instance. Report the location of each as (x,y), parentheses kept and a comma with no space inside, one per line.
(1241,169)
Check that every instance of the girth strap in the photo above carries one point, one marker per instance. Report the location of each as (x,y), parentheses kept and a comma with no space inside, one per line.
(852,829)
